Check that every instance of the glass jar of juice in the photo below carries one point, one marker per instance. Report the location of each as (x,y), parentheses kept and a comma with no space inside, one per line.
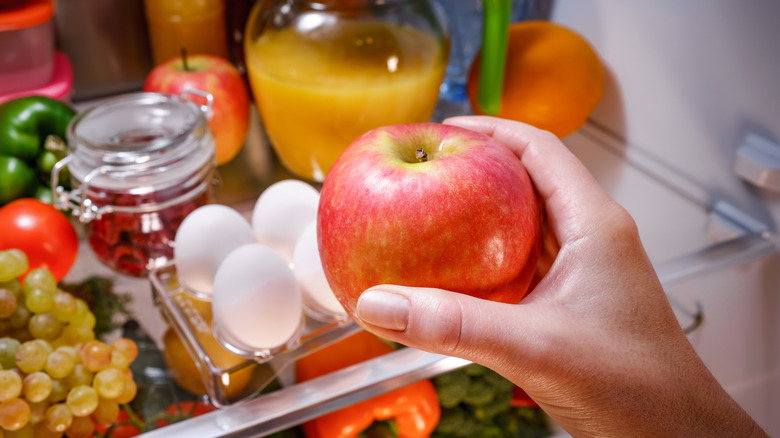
(325,72)
(197,26)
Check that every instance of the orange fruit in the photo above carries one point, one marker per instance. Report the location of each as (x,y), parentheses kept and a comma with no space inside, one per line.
(553,78)
(181,364)
(185,372)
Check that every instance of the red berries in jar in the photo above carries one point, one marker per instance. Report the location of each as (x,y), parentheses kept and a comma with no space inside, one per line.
(139,163)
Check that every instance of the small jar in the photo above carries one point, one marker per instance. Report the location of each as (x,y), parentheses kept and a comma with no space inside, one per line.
(138,164)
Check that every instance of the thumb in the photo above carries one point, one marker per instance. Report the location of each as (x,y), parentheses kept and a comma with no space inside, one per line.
(444,322)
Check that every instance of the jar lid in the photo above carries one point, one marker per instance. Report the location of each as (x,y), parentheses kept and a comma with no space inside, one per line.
(30,13)
(140,134)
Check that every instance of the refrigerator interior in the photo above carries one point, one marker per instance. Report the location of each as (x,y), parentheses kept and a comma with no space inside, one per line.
(686,83)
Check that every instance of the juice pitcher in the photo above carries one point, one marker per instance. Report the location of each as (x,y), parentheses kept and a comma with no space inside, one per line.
(324,72)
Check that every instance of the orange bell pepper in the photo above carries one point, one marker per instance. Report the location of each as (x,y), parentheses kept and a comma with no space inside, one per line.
(414,408)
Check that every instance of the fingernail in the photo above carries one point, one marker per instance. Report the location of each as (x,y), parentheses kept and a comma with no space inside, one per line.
(383,309)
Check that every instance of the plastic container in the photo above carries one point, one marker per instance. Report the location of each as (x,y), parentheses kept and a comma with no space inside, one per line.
(59,87)
(139,164)
(27,42)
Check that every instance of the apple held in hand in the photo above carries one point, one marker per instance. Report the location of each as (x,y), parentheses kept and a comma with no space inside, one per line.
(215,75)
(429,205)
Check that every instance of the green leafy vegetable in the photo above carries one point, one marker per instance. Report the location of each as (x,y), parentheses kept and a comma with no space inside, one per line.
(475,402)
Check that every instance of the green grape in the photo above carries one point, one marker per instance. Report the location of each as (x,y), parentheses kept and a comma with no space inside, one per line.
(19,318)
(31,356)
(58,391)
(40,278)
(74,334)
(70,350)
(106,412)
(13,285)
(7,303)
(60,363)
(82,310)
(58,418)
(38,300)
(65,307)
(14,414)
(95,355)
(127,347)
(123,352)
(109,383)
(131,388)
(44,326)
(44,344)
(79,376)
(89,320)
(37,387)
(81,427)
(82,400)
(13,263)
(119,360)
(8,347)
(10,385)
(38,411)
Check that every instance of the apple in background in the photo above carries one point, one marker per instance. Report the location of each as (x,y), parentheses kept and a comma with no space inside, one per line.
(429,205)
(215,75)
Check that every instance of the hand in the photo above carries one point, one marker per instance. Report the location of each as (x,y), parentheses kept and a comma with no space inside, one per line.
(596,343)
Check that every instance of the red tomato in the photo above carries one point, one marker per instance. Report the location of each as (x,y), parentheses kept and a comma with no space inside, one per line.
(122,428)
(44,233)
(183,410)
(520,399)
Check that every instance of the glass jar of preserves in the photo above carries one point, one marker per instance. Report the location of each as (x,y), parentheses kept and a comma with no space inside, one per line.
(138,165)
(324,72)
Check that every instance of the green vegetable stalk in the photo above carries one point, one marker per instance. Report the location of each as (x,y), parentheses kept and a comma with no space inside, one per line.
(32,133)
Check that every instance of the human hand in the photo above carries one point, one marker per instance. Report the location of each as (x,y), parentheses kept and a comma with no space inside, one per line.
(596,343)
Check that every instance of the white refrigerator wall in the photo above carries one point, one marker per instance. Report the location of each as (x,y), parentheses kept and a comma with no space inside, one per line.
(687,80)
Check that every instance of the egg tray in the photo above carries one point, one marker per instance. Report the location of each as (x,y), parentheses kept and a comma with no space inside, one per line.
(194,329)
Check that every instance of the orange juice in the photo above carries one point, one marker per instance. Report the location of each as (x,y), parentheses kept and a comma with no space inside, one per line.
(195,25)
(319,91)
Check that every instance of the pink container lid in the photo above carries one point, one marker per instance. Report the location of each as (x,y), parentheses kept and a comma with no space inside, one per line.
(60,85)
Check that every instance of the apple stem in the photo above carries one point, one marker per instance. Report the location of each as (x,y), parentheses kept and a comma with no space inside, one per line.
(184,58)
(421,155)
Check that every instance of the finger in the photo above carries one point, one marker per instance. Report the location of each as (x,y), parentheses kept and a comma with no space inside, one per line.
(573,199)
(444,322)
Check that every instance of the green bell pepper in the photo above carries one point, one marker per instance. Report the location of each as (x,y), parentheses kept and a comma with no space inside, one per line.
(25,125)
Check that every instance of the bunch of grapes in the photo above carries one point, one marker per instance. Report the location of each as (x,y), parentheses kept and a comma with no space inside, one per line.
(55,377)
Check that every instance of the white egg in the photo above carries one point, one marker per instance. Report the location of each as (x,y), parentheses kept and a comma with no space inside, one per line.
(282,212)
(318,297)
(257,300)
(203,240)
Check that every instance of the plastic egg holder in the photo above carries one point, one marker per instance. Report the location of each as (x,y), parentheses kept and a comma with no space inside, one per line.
(266,365)
(139,164)
(262,308)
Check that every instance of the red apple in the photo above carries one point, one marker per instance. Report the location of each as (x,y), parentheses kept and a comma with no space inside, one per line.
(466,219)
(215,75)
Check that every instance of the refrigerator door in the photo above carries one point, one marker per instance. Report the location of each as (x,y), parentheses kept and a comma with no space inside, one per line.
(692,98)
